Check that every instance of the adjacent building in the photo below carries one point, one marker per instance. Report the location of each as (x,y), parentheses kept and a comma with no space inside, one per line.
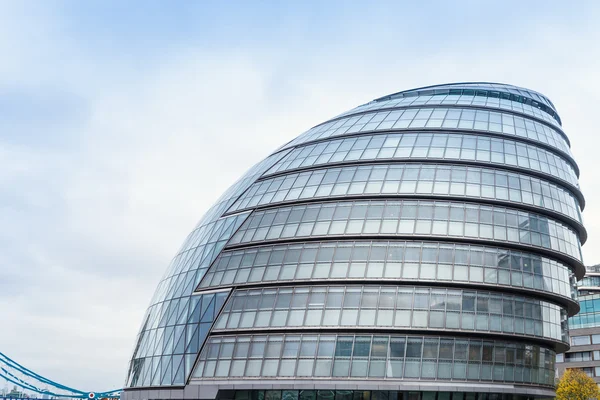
(585,329)
(424,245)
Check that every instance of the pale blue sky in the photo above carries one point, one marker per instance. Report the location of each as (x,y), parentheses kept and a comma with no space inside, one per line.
(121,122)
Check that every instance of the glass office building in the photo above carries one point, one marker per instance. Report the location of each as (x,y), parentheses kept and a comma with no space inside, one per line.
(424,245)
(584,329)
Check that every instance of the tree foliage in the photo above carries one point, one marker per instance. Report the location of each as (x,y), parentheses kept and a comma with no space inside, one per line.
(576,385)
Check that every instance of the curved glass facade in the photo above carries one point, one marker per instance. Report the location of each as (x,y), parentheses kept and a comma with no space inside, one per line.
(382,307)
(489,89)
(427,239)
(464,97)
(365,356)
(463,119)
(412,147)
(409,218)
(413,180)
(410,261)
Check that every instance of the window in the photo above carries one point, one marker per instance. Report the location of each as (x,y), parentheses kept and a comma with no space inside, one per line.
(579,356)
(589,371)
(407,145)
(580,340)
(384,260)
(379,306)
(383,356)
(416,218)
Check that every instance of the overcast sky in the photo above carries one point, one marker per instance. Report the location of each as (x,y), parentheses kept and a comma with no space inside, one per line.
(122,121)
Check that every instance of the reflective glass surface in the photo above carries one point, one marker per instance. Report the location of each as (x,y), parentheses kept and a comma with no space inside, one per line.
(438,146)
(343,394)
(412,180)
(589,315)
(464,99)
(593,268)
(171,332)
(409,217)
(579,356)
(166,345)
(442,210)
(583,340)
(589,302)
(500,88)
(381,357)
(590,281)
(165,355)
(383,307)
(383,260)
(436,118)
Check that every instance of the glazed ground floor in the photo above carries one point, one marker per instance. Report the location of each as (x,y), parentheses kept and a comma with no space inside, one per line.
(337,391)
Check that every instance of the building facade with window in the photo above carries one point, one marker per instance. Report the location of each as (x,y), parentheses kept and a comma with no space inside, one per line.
(584,328)
(424,245)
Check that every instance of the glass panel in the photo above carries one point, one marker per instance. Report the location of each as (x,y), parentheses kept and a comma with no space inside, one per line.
(408,356)
(488,182)
(461,118)
(521,227)
(412,307)
(439,262)
(494,151)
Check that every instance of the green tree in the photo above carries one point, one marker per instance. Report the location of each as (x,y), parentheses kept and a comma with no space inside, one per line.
(576,385)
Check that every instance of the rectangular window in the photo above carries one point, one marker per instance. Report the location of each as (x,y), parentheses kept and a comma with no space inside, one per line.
(580,340)
(589,371)
(579,356)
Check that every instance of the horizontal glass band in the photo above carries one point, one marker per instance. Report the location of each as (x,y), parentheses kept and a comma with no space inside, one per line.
(381,307)
(383,260)
(590,281)
(467,97)
(408,217)
(343,394)
(439,118)
(589,315)
(412,179)
(384,357)
(500,89)
(430,146)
